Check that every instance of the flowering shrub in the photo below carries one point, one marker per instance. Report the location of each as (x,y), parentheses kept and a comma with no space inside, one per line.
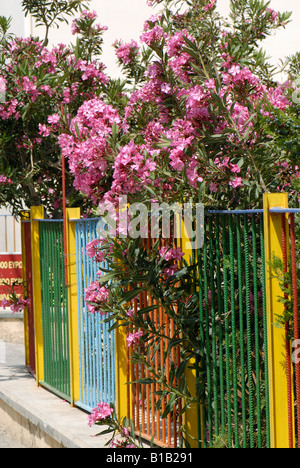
(195,123)
(105,415)
(44,87)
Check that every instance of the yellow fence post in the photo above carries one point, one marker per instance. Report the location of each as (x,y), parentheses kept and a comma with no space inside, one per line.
(73,213)
(279,423)
(122,366)
(192,416)
(37,212)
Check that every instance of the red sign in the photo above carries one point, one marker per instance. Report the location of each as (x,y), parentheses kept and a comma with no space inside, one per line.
(10,274)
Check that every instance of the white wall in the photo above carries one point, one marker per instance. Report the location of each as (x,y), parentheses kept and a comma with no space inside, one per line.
(13,8)
(10,233)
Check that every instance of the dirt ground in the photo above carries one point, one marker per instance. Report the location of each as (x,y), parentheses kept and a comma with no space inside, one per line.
(12,330)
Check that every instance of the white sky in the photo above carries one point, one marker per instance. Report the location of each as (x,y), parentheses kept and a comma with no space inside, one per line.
(125,20)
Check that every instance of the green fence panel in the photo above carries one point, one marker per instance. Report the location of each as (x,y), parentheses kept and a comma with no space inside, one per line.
(233,332)
(54,309)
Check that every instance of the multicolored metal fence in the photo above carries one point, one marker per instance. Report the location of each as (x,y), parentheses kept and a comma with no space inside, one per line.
(56,342)
(96,342)
(249,330)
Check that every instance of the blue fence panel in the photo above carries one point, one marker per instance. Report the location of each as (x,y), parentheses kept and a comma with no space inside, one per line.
(96,342)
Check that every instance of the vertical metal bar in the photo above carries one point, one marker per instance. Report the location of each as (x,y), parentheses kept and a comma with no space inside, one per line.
(296,319)
(287,340)
(256,332)
(142,305)
(202,430)
(37,212)
(86,321)
(265,333)
(233,332)
(248,328)
(220,327)
(49,306)
(57,273)
(241,325)
(79,302)
(213,330)
(227,332)
(209,431)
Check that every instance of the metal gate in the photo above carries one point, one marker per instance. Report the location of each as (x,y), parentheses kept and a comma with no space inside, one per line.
(96,342)
(54,309)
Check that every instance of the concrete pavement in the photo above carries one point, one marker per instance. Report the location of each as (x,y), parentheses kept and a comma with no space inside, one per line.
(8,441)
(35,417)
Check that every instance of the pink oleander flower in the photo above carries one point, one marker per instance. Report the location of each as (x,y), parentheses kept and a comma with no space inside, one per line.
(235,183)
(44,130)
(5,180)
(87,152)
(53,119)
(274,16)
(210,6)
(127,52)
(96,297)
(134,338)
(130,313)
(170,271)
(15,305)
(5,303)
(132,169)
(101,413)
(153,35)
(213,187)
(19,306)
(171,254)
(93,251)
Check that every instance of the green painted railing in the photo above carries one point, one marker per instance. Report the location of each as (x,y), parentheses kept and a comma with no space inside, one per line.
(233,332)
(54,309)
